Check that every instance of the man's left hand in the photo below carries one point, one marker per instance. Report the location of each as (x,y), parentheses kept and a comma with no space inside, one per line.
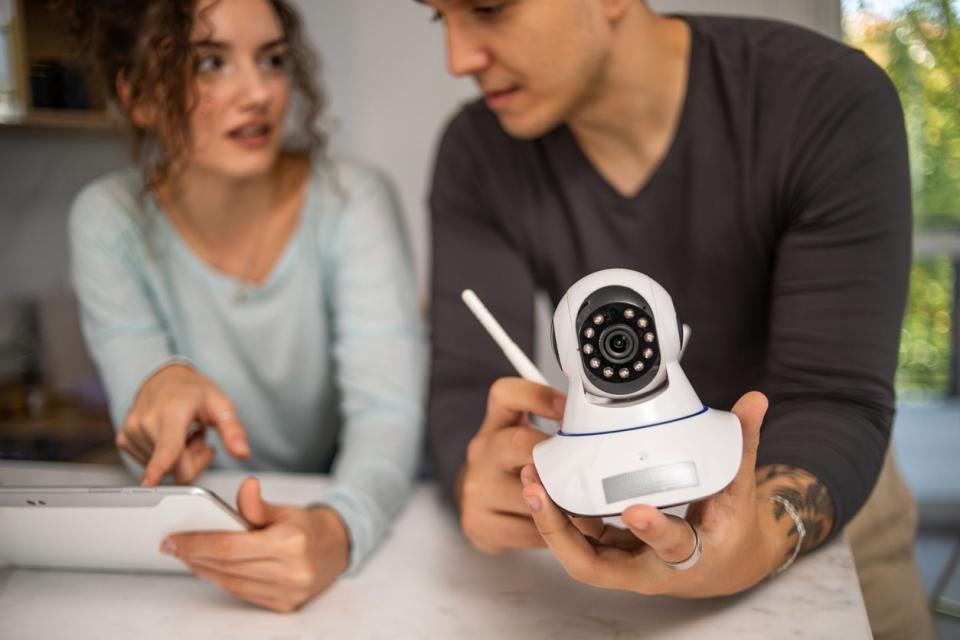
(742,541)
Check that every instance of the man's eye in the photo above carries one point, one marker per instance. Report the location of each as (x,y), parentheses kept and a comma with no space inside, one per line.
(488,10)
(436,17)
(209,63)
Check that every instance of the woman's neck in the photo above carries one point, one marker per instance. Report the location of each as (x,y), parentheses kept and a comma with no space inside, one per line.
(220,210)
(238,226)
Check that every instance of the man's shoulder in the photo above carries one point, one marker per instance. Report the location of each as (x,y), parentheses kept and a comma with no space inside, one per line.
(780,57)
(772,42)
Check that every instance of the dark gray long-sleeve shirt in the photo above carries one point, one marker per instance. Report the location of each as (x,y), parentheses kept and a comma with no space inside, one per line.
(779,220)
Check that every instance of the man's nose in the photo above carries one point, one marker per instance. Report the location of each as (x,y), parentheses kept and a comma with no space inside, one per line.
(465,54)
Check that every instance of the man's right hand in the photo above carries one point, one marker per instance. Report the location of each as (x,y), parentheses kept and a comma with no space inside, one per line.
(493,514)
(168,403)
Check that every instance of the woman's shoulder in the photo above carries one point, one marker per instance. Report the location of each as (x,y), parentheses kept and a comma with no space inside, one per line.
(342,181)
(110,205)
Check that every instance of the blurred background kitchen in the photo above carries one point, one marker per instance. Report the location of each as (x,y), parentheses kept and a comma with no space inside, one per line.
(384,71)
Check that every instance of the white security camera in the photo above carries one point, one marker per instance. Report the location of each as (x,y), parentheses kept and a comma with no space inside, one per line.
(634,430)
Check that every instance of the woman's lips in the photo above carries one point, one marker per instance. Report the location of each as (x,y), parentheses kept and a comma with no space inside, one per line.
(498,100)
(251,136)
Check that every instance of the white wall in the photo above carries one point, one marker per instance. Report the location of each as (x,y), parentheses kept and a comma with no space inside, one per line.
(822,15)
(385,73)
(384,69)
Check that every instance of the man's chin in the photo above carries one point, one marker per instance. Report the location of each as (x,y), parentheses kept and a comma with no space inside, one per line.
(524,128)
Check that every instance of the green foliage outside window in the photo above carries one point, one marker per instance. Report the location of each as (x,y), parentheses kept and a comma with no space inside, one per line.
(918,43)
(924,367)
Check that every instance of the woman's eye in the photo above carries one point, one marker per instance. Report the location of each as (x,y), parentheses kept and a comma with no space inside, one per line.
(209,63)
(275,61)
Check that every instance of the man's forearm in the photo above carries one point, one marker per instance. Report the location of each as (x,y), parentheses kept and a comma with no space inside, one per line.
(808,496)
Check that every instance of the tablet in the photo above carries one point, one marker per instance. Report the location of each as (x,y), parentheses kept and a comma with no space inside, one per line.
(105,528)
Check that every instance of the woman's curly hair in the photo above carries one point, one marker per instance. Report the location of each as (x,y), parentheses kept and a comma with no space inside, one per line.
(147,44)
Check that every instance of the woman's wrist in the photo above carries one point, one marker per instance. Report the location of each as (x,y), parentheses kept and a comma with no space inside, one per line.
(332,535)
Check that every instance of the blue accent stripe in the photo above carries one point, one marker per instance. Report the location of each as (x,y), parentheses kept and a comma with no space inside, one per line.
(643,426)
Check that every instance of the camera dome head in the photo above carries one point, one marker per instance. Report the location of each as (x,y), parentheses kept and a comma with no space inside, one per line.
(616,329)
(617,339)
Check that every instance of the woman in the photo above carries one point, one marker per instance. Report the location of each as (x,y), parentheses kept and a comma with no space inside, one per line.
(231,282)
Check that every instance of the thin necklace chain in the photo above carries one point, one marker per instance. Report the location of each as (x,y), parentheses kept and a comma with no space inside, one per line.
(245,284)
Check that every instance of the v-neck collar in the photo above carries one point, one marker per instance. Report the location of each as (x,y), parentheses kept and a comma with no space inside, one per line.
(229,284)
(583,166)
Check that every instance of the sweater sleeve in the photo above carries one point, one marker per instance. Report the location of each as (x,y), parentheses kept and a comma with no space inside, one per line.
(839,284)
(123,329)
(379,354)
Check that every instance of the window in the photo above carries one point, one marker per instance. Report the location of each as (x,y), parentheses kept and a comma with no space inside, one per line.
(918,43)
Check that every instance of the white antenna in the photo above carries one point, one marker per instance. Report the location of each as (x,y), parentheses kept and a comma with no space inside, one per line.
(514,354)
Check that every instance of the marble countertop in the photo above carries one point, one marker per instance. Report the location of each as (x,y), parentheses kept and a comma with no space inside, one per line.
(424,582)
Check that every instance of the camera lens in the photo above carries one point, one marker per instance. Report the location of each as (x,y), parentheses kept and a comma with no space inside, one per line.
(618,343)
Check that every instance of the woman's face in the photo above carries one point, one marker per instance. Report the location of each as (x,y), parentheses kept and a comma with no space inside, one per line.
(241,89)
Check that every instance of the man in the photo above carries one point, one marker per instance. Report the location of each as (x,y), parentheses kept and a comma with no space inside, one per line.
(759,173)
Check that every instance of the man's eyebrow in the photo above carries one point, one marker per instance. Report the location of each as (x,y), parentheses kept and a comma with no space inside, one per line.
(219,44)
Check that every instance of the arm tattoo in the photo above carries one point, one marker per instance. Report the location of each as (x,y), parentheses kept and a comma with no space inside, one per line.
(806,493)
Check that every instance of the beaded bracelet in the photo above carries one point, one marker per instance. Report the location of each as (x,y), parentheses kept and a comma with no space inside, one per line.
(798,525)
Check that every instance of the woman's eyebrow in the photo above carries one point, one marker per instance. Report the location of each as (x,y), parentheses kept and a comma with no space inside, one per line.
(211,44)
(282,40)
(219,44)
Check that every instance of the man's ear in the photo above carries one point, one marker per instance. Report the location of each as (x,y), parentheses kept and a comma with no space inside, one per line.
(615,10)
(142,114)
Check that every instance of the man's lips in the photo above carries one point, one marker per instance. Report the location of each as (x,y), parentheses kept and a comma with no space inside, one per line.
(499,98)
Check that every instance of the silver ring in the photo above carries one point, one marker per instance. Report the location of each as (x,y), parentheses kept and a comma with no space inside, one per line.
(694,558)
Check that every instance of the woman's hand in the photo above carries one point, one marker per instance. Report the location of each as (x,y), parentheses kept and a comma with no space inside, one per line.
(743,539)
(294,556)
(168,403)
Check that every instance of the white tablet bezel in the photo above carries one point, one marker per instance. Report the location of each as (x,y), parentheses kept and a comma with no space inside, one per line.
(105,528)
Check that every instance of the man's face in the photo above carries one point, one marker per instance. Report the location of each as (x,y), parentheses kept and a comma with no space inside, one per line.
(536,61)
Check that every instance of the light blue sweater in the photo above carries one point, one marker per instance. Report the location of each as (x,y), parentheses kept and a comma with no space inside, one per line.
(326,358)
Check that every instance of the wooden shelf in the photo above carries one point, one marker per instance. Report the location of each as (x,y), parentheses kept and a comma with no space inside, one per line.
(65,432)
(42,56)
(67,119)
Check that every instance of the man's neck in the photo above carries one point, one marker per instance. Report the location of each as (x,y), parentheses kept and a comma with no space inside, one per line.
(627,124)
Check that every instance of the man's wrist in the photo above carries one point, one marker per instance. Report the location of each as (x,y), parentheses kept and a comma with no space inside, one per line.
(784,536)
(778,534)
(808,498)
